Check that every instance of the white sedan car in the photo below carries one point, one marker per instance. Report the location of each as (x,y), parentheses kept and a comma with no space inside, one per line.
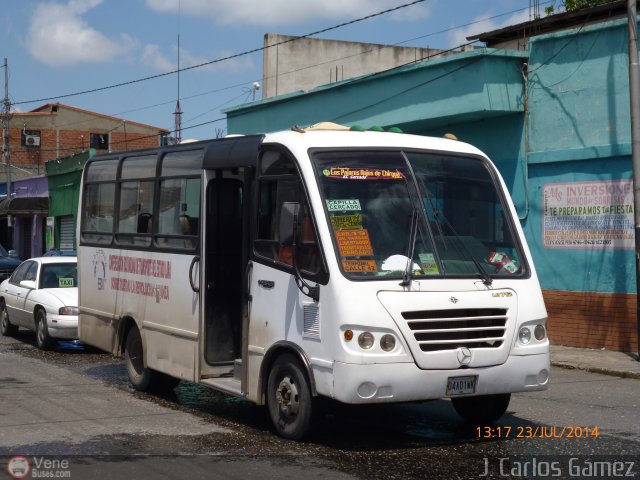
(41,295)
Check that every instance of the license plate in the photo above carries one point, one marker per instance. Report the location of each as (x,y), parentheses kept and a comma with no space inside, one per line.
(461,385)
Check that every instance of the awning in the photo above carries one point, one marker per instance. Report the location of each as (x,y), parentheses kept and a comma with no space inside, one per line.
(24,206)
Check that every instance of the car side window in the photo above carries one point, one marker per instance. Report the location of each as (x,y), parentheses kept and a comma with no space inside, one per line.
(32,272)
(21,273)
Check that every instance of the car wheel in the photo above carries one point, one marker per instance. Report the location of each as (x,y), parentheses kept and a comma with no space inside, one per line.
(289,398)
(6,327)
(482,409)
(43,340)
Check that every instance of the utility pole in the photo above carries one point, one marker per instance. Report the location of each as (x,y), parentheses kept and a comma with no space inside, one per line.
(6,117)
(634,96)
(6,147)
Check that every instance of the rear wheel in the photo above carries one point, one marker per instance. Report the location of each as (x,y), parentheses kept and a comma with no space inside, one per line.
(139,375)
(482,409)
(6,327)
(289,397)
(142,378)
(43,340)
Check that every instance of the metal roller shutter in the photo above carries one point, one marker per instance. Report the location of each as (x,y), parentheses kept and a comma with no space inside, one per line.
(67,233)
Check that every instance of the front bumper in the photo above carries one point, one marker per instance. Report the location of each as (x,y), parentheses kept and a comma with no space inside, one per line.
(63,326)
(405,382)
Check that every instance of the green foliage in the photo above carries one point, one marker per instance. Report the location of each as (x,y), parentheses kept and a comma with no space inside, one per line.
(572,5)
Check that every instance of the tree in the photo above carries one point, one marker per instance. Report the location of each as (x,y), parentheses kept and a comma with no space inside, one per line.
(572,5)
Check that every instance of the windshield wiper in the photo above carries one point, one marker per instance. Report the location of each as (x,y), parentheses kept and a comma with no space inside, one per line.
(413,235)
(486,278)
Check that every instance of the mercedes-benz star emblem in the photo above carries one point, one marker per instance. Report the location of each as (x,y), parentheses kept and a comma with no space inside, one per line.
(453,300)
(464,356)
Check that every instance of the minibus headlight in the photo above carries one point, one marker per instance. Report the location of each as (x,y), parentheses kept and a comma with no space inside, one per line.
(524,335)
(388,342)
(540,332)
(365,340)
(68,311)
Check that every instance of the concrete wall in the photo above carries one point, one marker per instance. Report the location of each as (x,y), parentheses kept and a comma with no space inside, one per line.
(420,96)
(306,63)
(579,136)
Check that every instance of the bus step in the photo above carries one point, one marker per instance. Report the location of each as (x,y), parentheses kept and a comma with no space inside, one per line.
(227,385)
(237,369)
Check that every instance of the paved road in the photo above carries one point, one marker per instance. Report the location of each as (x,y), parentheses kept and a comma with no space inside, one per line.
(75,405)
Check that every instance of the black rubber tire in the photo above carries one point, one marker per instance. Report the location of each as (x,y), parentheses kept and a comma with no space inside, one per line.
(139,376)
(289,399)
(6,327)
(483,409)
(43,340)
(142,378)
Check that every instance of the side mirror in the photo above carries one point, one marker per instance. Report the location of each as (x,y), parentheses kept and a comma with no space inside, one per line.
(14,254)
(28,284)
(288,215)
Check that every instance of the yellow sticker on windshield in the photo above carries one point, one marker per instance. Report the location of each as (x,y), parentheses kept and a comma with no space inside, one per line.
(65,282)
(428,263)
(353,266)
(354,243)
(347,222)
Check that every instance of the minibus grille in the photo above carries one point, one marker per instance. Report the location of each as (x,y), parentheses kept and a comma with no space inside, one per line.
(437,330)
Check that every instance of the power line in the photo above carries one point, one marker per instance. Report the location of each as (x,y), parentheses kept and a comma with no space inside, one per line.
(229,57)
(376,48)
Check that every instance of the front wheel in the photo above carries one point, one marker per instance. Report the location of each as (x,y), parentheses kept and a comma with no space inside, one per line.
(43,340)
(7,328)
(289,398)
(482,409)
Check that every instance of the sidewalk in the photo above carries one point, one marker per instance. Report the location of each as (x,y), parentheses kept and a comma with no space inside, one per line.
(606,362)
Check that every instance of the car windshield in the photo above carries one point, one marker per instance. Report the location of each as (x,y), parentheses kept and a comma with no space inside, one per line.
(442,211)
(59,275)
(3,252)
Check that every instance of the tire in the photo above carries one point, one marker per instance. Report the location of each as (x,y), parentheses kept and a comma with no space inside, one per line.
(289,398)
(142,378)
(6,327)
(43,340)
(139,375)
(482,409)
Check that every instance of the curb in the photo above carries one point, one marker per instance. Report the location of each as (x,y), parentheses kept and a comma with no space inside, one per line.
(600,370)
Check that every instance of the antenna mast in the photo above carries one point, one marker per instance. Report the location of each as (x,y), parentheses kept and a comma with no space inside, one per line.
(178,113)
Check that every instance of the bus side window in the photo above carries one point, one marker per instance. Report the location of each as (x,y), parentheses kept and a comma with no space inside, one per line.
(279,183)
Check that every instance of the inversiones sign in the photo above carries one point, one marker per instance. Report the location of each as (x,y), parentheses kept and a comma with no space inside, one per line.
(596,215)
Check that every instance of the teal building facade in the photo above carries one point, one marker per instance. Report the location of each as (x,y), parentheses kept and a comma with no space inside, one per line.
(555,120)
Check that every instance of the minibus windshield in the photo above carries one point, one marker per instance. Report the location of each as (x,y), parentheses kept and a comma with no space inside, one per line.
(372,199)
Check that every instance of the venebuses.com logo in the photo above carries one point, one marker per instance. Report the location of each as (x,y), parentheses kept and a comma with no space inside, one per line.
(18,467)
(38,467)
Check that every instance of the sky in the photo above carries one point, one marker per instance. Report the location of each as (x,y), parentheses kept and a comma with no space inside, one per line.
(57,48)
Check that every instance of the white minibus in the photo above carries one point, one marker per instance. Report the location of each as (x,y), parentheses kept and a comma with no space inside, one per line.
(362,266)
